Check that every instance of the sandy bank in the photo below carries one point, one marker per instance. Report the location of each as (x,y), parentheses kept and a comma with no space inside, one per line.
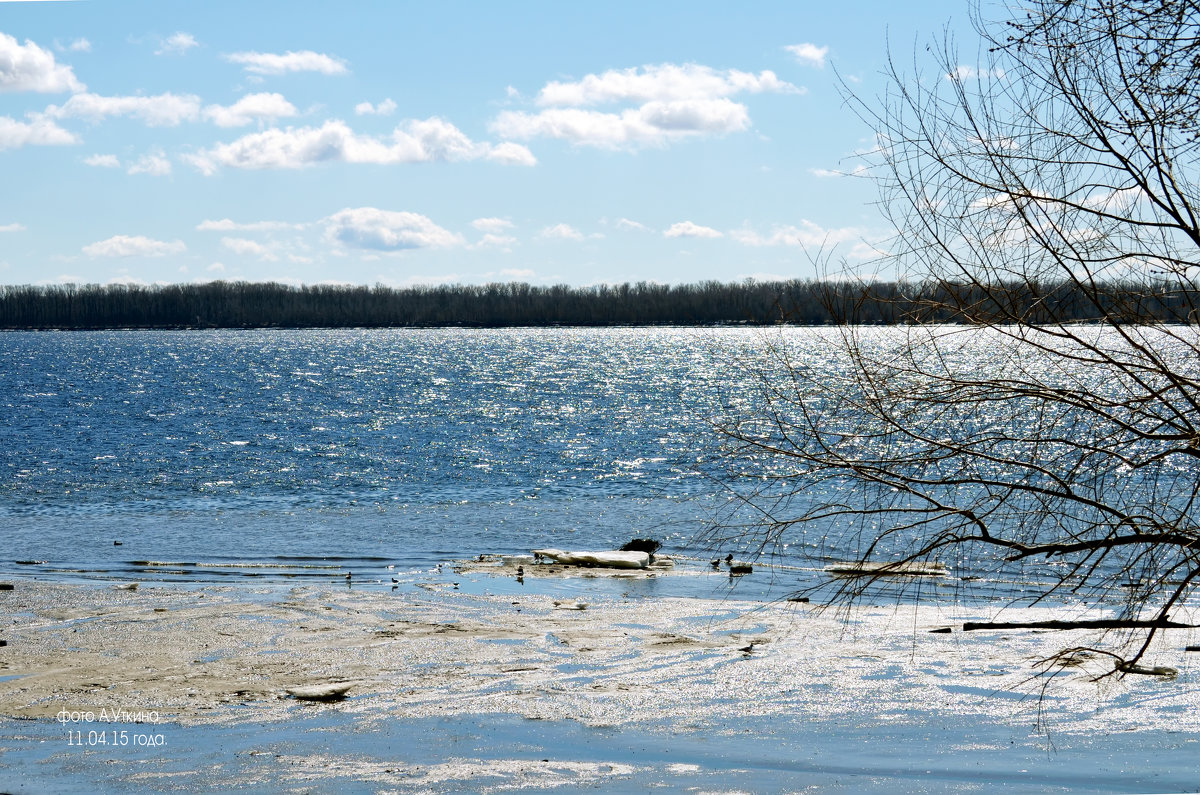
(216,655)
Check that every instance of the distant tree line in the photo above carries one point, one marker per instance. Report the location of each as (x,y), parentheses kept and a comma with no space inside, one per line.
(800,302)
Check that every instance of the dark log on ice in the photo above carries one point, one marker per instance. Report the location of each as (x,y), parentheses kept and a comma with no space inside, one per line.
(1101,623)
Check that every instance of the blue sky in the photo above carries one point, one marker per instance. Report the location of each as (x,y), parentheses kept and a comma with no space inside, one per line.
(449,142)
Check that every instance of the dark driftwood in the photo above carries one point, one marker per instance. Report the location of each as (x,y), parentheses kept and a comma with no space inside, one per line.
(1102,623)
(865,568)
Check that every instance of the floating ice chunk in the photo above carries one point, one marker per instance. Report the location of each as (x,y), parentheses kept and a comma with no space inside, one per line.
(611,559)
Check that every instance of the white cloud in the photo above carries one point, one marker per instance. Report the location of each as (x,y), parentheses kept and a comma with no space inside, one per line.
(863,250)
(625,223)
(858,171)
(228,225)
(216,267)
(654,123)
(809,54)
(265,63)
(807,234)
(177,44)
(242,246)
(161,110)
(136,246)
(80,45)
(102,161)
(386,230)
(517,273)
(125,278)
(661,83)
(1121,200)
(385,108)
(12,228)
(411,142)
(995,142)
(492,240)
(154,163)
(27,67)
(250,108)
(495,233)
(202,161)
(40,131)
(669,102)
(511,154)
(689,229)
(968,72)
(561,232)
(494,225)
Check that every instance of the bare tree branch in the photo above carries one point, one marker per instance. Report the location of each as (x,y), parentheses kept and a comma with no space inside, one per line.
(1053,180)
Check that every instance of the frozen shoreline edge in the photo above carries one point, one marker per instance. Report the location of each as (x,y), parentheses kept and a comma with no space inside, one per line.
(215,663)
(204,655)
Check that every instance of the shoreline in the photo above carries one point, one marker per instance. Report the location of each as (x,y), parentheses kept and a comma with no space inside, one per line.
(218,659)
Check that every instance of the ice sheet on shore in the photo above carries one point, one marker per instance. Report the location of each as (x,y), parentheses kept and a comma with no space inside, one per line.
(620,662)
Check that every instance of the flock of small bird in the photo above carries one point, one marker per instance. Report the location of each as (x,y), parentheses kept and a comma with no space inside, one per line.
(349,577)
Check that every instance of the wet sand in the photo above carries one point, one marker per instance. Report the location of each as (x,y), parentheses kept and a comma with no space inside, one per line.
(207,663)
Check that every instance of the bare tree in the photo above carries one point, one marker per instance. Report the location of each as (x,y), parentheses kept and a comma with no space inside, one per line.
(1054,179)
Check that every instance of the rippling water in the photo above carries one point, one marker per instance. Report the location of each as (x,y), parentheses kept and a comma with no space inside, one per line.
(405,445)
(210,454)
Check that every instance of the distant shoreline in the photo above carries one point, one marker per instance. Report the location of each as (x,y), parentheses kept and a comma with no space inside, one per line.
(247,305)
(410,326)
